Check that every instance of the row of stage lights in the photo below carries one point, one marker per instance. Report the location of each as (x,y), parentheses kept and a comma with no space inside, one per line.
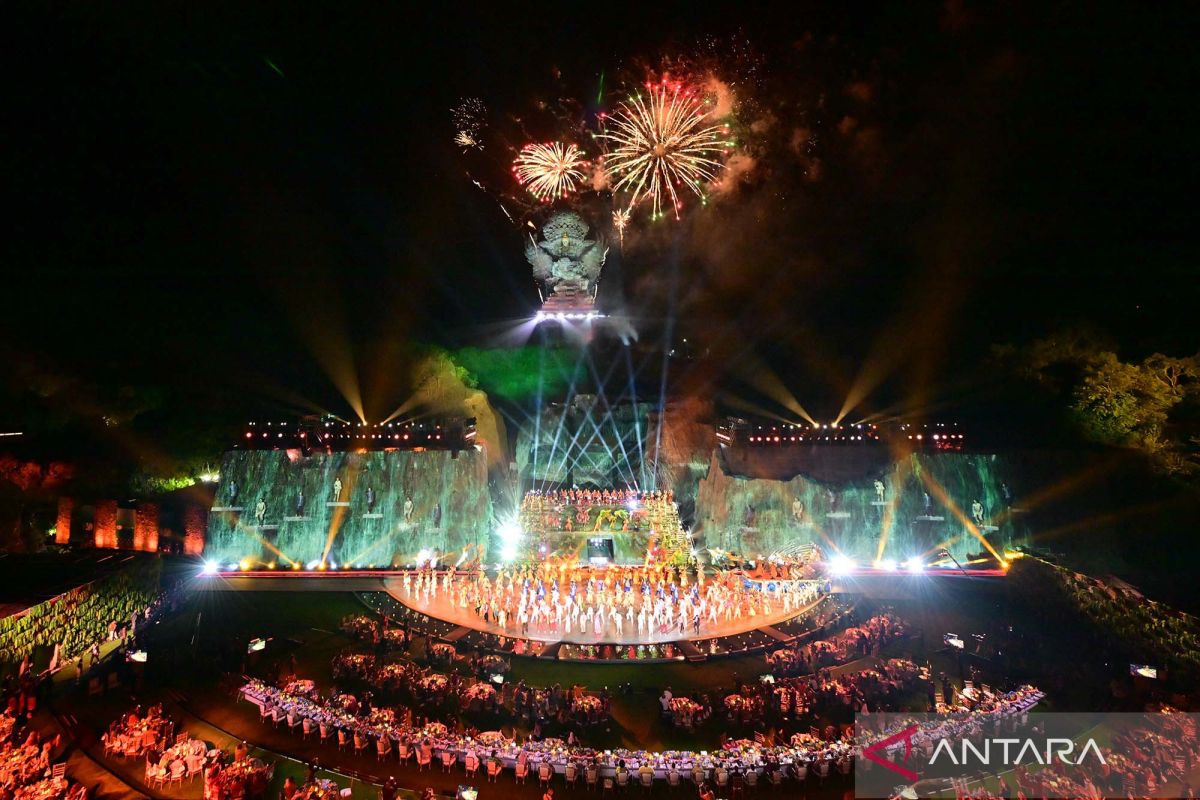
(565,315)
(419,431)
(787,434)
(401,425)
(246,565)
(841,566)
(324,436)
(766,439)
(213,567)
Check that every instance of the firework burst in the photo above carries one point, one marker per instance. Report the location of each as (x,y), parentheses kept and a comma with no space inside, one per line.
(549,170)
(662,143)
(620,218)
(468,118)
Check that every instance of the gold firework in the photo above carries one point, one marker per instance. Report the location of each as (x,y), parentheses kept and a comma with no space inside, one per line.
(549,170)
(661,143)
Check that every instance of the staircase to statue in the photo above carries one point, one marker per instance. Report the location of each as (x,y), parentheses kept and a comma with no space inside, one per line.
(568,299)
(676,542)
(805,551)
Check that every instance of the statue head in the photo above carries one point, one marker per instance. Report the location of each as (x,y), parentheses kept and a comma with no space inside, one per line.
(563,228)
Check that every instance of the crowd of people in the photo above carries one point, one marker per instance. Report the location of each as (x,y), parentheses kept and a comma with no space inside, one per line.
(1148,631)
(599,509)
(27,771)
(445,695)
(585,498)
(864,639)
(73,623)
(618,602)
(773,756)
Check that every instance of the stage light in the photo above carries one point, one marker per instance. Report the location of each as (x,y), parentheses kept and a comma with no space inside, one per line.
(210,568)
(841,565)
(914,565)
(887,565)
(510,534)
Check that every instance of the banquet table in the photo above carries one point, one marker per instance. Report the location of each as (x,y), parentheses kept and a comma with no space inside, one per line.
(49,789)
(318,790)
(246,772)
(18,764)
(6,726)
(193,754)
(557,754)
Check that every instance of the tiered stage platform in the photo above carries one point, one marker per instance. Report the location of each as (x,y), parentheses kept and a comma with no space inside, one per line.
(443,607)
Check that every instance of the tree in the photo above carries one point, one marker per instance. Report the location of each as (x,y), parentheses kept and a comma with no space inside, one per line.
(1141,405)
(24,485)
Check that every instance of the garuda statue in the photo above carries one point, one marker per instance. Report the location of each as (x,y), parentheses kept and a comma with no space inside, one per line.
(566,259)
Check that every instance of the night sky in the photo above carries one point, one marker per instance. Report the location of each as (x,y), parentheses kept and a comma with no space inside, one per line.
(226,201)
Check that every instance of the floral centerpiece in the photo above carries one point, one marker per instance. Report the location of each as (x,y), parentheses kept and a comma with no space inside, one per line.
(483,692)
(433,682)
(382,717)
(490,738)
(684,705)
(587,704)
(781,657)
(354,666)
(740,745)
(494,664)
(346,702)
(737,702)
(318,790)
(360,626)
(435,730)
(245,777)
(806,741)
(301,688)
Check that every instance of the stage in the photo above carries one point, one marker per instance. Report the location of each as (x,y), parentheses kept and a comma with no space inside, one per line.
(444,607)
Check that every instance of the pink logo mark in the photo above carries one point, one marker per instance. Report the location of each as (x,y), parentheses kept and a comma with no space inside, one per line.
(873,752)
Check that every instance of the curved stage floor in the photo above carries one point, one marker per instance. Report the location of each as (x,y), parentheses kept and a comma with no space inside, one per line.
(442,607)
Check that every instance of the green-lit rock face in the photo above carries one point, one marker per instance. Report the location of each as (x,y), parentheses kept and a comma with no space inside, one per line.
(897,510)
(349,508)
(585,443)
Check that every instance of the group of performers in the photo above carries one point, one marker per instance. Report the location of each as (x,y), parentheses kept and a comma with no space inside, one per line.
(540,501)
(564,599)
(594,510)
